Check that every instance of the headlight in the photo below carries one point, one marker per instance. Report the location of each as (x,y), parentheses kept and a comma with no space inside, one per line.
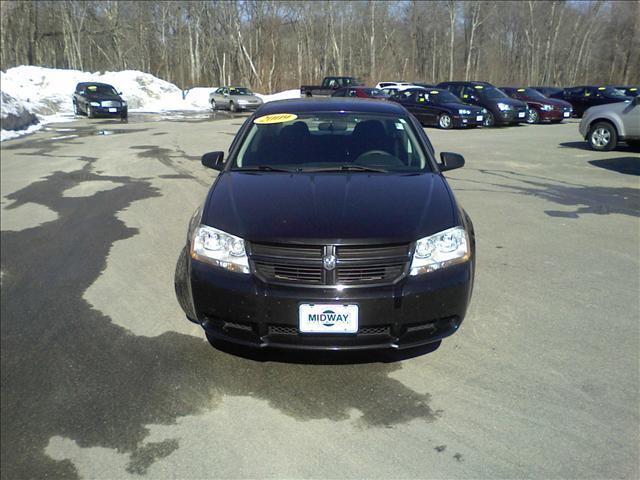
(440,250)
(218,248)
(463,111)
(504,106)
(484,111)
(546,108)
(124,104)
(95,104)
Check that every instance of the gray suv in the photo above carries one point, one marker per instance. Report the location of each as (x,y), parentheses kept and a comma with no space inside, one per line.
(604,126)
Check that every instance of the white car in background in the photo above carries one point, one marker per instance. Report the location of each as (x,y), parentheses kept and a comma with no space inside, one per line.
(234,99)
(604,126)
(391,88)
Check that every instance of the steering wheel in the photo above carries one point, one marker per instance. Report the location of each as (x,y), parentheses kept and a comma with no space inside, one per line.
(378,158)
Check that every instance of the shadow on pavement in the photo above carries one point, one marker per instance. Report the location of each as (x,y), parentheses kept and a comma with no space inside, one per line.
(626,165)
(584,145)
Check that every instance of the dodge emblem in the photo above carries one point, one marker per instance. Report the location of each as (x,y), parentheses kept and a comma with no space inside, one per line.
(329,262)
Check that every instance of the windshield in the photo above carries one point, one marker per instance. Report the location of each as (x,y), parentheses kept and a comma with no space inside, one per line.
(443,96)
(531,93)
(374,92)
(331,141)
(612,92)
(102,89)
(240,91)
(490,92)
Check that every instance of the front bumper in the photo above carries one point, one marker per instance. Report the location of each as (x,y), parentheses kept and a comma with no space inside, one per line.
(110,111)
(462,121)
(552,115)
(249,106)
(242,309)
(507,117)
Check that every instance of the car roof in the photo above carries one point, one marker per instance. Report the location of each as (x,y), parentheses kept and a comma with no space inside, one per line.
(465,83)
(331,104)
(82,84)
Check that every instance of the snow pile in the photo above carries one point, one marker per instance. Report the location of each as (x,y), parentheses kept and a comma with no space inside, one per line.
(286,95)
(15,116)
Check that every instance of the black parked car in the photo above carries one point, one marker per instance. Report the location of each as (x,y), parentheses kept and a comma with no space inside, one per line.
(441,108)
(330,226)
(98,99)
(586,96)
(501,109)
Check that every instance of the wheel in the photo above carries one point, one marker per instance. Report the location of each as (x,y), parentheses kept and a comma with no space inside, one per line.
(489,121)
(602,136)
(444,121)
(232,107)
(181,287)
(76,110)
(90,112)
(532,116)
(214,106)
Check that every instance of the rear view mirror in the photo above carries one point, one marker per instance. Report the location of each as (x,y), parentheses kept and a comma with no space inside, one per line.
(213,160)
(450,161)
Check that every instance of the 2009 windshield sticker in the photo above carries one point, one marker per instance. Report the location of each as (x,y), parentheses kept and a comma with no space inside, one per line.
(275,118)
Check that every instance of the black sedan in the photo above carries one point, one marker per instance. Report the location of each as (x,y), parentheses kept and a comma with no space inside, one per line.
(98,99)
(441,108)
(584,97)
(329,226)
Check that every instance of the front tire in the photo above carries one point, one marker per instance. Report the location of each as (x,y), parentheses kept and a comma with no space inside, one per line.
(76,110)
(182,288)
(214,105)
(603,137)
(532,116)
(444,121)
(489,121)
(90,112)
(232,107)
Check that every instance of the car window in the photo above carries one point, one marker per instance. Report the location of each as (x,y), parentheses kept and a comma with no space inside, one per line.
(352,93)
(422,97)
(330,140)
(240,91)
(442,96)
(101,89)
(468,92)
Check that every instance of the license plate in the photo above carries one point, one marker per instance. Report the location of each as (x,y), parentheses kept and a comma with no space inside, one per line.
(566,114)
(521,115)
(328,318)
(479,118)
(113,110)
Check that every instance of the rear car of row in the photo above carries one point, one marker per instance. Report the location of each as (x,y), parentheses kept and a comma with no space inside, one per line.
(95,99)
(541,109)
(605,126)
(501,109)
(330,226)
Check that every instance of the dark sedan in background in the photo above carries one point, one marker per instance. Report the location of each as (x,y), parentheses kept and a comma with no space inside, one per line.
(541,109)
(361,92)
(501,109)
(586,96)
(441,108)
(99,99)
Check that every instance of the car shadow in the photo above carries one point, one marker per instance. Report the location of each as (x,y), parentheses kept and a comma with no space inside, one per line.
(584,145)
(321,357)
(626,165)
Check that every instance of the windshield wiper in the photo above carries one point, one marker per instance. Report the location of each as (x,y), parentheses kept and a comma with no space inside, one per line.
(263,168)
(346,168)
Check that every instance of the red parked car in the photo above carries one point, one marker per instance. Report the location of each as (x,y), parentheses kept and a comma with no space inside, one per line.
(540,108)
(361,92)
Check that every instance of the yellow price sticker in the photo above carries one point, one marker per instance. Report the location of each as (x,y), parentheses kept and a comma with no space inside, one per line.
(434,92)
(600,88)
(92,87)
(521,89)
(633,89)
(275,118)
(479,87)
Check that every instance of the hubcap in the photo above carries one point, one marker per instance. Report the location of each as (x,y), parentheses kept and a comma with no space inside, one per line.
(532,116)
(601,137)
(445,121)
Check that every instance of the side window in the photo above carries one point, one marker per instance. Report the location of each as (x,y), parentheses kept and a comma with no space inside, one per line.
(467,93)
(332,83)
(407,96)
(422,97)
(351,93)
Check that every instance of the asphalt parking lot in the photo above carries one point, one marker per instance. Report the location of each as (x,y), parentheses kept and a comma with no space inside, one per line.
(103,377)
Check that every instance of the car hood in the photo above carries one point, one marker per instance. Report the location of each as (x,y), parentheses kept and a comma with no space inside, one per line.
(341,207)
(509,101)
(549,101)
(248,98)
(453,105)
(103,96)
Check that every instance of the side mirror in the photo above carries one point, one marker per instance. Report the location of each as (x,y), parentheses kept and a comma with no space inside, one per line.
(213,160)
(451,161)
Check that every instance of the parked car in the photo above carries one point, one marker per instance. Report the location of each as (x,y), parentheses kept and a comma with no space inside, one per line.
(587,96)
(629,90)
(329,85)
(361,92)
(99,99)
(551,92)
(234,99)
(501,109)
(441,108)
(541,109)
(329,226)
(604,126)
(393,89)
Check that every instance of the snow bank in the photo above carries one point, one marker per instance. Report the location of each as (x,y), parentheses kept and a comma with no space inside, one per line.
(47,93)
(15,118)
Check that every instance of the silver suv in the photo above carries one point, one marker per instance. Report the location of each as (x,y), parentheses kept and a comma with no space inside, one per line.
(604,126)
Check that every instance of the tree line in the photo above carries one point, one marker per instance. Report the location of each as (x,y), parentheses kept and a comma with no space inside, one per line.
(273,45)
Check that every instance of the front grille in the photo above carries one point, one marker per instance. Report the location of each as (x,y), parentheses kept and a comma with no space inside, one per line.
(290,330)
(354,265)
(109,103)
